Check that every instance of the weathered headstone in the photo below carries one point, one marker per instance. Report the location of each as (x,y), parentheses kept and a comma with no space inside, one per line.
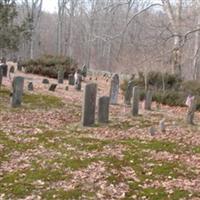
(71,79)
(84,71)
(78,82)
(136,100)
(5,69)
(114,89)
(148,100)
(162,126)
(1,76)
(89,104)
(191,111)
(60,76)
(152,131)
(129,93)
(11,71)
(45,81)
(30,86)
(52,87)
(67,88)
(103,109)
(17,91)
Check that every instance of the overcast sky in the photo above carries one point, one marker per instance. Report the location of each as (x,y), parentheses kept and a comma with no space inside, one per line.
(50,5)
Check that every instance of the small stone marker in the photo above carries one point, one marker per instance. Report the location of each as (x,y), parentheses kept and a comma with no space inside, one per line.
(71,79)
(129,93)
(136,100)
(45,81)
(148,100)
(67,88)
(60,76)
(162,126)
(152,131)
(11,71)
(114,89)
(30,86)
(52,87)
(103,109)
(17,87)
(1,76)
(191,111)
(89,104)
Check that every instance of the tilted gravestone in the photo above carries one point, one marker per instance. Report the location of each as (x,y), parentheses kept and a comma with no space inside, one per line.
(162,126)
(148,100)
(114,89)
(129,92)
(136,99)
(89,104)
(45,81)
(17,91)
(78,82)
(30,86)
(103,109)
(1,76)
(71,80)
(191,111)
(52,87)
(60,76)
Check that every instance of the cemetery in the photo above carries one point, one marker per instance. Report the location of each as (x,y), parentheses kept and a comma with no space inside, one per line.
(69,144)
(99,100)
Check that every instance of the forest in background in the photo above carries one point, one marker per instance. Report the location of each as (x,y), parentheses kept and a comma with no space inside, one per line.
(112,35)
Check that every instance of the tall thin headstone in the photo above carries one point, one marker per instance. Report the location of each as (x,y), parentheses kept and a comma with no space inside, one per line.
(71,79)
(60,76)
(1,76)
(129,93)
(78,82)
(17,91)
(89,104)
(114,89)
(136,99)
(103,109)
(191,111)
(148,100)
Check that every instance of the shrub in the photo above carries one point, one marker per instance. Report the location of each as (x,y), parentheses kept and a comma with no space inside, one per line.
(192,87)
(49,65)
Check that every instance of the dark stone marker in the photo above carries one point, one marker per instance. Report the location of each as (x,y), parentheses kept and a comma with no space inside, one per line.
(45,81)
(66,88)
(1,76)
(30,86)
(89,104)
(17,93)
(71,79)
(103,109)
(148,100)
(136,99)
(114,89)
(52,87)
(5,69)
(129,93)
(60,76)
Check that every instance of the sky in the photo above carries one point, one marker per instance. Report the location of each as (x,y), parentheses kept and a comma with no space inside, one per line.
(50,5)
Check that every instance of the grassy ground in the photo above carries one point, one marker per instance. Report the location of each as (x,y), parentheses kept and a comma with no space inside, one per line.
(67,161)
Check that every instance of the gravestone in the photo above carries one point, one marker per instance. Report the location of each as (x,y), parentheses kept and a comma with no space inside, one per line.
(1,76)
(191,111)
(45,81)
(78,82)
(129,93)
(5,69)
(84,71)
(11,71)
(60,76)
(66,88)
(17,91)
(136,99)
(52,87)
(103,109)
(148,100)
(71,80)
(114,89)
(152,131)
(89,104)
(30,86)
(162,126)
